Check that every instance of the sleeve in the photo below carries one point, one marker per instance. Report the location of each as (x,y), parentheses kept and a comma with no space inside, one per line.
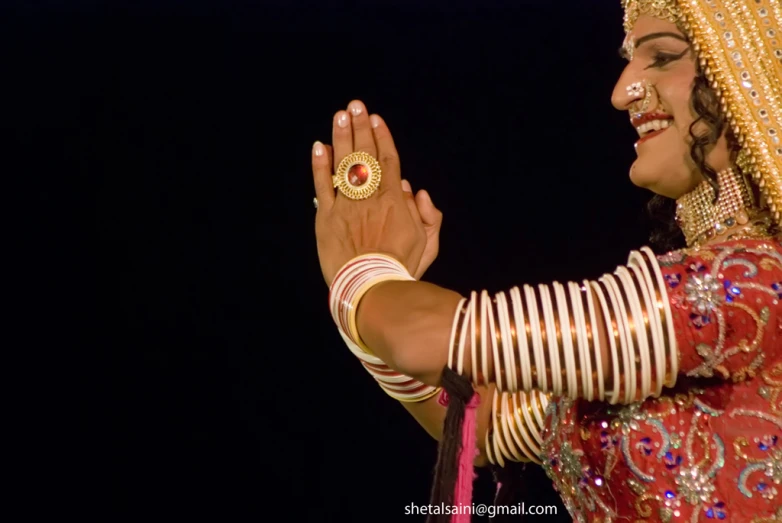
(624,336)
(725,308)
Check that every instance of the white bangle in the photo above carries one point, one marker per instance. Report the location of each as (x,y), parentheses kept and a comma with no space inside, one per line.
(488,443)
(508,348)
(453,341)
(643,282)
(673,350)
(551,338)
(628,353)
(352,281)
(526,426)
(463,339)
(642,347)
(566,332)
(521,340)
(484,342)
(474,336)
(611,334)
(537,342)
(498,447)
(539,406)
(492,332)
(596,349)
(512,441)
(581,334)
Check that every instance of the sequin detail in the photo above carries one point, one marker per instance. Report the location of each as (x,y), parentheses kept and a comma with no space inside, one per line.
(703,450)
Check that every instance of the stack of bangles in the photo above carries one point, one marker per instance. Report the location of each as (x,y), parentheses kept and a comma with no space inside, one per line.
(349,286)
(539,340)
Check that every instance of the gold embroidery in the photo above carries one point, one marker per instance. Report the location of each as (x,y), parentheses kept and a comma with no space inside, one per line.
(772,379)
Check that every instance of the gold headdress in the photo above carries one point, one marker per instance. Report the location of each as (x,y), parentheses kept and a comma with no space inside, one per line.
(739,45)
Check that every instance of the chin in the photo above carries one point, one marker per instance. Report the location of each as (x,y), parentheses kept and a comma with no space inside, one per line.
(645,178)
(664,180)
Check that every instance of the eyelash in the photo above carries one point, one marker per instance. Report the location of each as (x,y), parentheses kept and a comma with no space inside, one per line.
(663,59)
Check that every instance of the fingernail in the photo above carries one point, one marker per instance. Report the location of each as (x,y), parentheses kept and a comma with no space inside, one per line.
(374,120)
(406,186)
(342,119)
(318,149)
(356,109)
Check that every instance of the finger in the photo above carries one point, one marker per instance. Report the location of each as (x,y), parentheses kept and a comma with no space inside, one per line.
(407,192)
(363,139)
(386,155)
(342,137)
(321,172)
(430,214)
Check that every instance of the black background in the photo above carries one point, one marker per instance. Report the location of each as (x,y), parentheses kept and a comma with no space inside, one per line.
(197,375)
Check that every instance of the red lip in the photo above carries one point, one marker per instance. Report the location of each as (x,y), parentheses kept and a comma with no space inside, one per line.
(648,117)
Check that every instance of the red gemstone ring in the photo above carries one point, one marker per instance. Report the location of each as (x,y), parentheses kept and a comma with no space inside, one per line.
(358,176)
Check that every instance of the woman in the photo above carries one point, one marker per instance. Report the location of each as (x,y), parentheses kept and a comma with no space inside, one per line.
(651,394)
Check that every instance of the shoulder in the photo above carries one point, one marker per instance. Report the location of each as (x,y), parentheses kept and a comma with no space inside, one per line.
(721,252)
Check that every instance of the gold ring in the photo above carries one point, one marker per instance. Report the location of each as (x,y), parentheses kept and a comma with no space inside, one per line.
(358,176)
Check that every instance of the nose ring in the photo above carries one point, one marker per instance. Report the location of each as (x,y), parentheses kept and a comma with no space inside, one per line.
(636,89)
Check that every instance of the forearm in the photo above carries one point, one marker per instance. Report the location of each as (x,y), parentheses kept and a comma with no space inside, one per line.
(408,325)
(609,339)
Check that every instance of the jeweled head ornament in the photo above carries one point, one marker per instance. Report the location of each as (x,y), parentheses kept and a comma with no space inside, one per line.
(663,9)
(739,47)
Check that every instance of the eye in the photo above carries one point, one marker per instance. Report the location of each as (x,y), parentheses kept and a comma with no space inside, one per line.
(662,59)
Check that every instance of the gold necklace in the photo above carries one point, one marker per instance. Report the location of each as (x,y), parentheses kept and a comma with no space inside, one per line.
(735,215)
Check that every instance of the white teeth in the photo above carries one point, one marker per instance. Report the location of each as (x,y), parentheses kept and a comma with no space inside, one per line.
(654,125)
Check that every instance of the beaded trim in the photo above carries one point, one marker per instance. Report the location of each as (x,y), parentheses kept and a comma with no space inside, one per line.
(663,9)
(701,219)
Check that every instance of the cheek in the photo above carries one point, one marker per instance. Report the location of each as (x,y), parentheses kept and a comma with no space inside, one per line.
(676,101)
(675,91)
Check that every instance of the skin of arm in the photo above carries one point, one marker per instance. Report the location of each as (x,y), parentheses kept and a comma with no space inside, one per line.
(408,325)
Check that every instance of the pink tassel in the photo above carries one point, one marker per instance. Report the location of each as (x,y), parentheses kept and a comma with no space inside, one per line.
(466,476)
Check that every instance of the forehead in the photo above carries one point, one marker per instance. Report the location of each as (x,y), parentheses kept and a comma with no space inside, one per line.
(649,24)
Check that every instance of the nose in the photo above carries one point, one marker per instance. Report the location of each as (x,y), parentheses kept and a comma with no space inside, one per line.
(626,95)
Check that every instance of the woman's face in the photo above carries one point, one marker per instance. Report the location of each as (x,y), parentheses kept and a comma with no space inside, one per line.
(658,53)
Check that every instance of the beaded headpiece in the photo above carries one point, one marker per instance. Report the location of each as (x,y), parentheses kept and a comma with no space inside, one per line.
(739,46)
(663,9)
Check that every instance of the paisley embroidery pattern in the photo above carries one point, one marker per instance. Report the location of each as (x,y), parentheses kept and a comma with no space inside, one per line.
(710,448)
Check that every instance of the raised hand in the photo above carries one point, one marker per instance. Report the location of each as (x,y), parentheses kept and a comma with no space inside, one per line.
(385,221)
(432,219)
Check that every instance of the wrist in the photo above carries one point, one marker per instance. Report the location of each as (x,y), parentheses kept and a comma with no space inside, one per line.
(358,278)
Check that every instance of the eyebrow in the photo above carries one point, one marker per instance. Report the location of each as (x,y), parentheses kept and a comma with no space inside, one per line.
(652,36)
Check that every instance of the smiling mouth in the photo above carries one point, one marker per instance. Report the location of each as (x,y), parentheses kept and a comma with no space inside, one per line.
(652,128)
